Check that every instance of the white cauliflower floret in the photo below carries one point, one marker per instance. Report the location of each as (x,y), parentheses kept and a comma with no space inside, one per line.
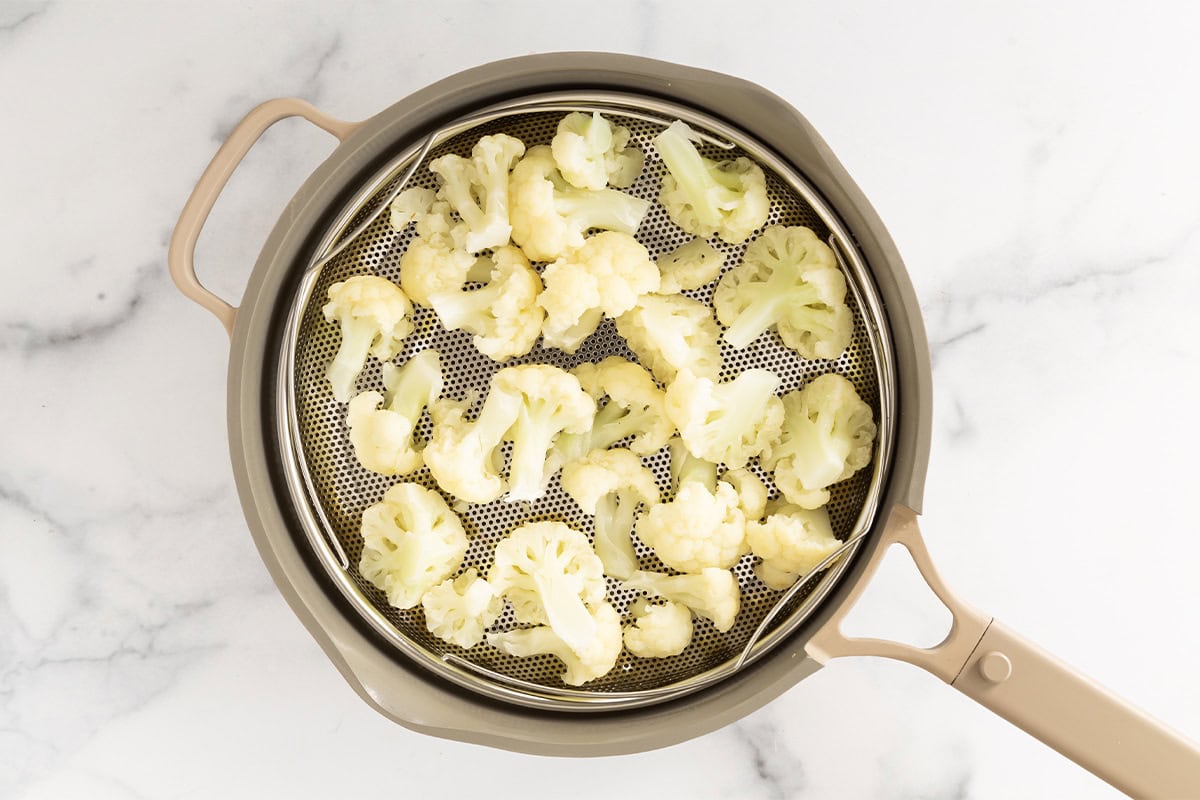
(610,484)
(409,206)
(550,574)
(412,541)
(827,436)
(605,276)
(549,216)
(383,437)
(591,153)
(583,664)
(689,266)
(790,542)
(672,332)
(373,314)
(477,188)
(464,457)
(788,279)
(503,314)
(457,611)
(727,198)
(429,267)
(730,422)
(697,529)
(659,630)
(751,491)
(634,408)
(713,593)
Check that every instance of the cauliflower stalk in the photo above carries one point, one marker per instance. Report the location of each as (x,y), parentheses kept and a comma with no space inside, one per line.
(789,279)
(551,576)
(727,198)
(726,422)
(711,593)
(591,153)
(659,630)
(593,660)
(477,188)
(503,314)
(412,541)
(689,266)
(605,276)
(383,437)
(373,314)
(634,409)
(458,611)
(790,542)
(610,484)
(549,216)
(827,436)
(669,333)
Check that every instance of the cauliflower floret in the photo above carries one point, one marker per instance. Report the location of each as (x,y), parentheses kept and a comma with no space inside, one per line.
(788,279)
(659,630)
(827,436)
(583,664)
(610,484)
(464,457)
(457,611)
(727,198)
(477,188)
(412,541)
(697,529)
(550,574)
(549,216)
(591,153)
(790,542)
(730,422)
(634,408)
(752,492)
(604,276)
(430,266)
(383,437)
(689,266)
(503,314)
(672,332)
(373,314)
(713,593)
(409,206)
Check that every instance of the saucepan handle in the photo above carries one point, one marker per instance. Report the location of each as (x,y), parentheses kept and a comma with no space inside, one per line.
(182,250)
(1027,686)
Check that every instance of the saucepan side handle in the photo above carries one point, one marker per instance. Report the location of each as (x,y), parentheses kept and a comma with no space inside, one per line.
(1026,686)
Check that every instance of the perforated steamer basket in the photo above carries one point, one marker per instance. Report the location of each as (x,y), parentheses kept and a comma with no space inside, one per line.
(303,491)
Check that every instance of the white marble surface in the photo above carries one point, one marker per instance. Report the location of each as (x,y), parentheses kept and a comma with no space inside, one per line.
(1036,163)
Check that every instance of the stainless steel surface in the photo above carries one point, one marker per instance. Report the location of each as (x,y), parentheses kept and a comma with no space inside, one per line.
(330,489)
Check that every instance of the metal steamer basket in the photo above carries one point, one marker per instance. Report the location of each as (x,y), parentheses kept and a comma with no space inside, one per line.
(303,491)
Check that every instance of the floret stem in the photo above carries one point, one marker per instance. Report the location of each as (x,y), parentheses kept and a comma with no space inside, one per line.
(357,337)
(690,169)
(614,521)
(532,438)
(604,208)
(612,424)
(685,467)
(415,385)
(565,611)
(460,309)
(768,305)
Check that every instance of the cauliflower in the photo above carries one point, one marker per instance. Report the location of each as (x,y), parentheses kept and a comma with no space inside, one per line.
(790,541)
(689,266)
(409,206)
(458,610)
(503,314)
(477,188)
(705,197)
(788,279)
(712,593)
(726,422)
(594,659)
(412,541)
(658,630)
(697,529)
(464,457)
(610,484)
(550,574)
(549,216)
(686,467)
(828,432)
(634,408)
(591,153)
(672,332)
(604,276)
(751,492)
(383,438)
(429,267)
(373,314)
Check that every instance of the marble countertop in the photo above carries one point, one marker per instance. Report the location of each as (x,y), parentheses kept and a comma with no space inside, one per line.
(1036,163)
